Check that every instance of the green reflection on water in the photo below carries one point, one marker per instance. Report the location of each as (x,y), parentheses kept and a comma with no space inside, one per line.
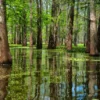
(53,75)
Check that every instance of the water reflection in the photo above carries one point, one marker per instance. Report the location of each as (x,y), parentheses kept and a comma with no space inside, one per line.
(38,75)
(94,80)
(69,77)
(53,75)
(4,75)
(54,88)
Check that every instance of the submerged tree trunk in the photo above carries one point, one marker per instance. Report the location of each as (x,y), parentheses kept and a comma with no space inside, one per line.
(5,56)
(93,31)
(70,32)
(39,24)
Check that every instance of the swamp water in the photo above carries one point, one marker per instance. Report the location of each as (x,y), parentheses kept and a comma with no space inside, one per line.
(50,75)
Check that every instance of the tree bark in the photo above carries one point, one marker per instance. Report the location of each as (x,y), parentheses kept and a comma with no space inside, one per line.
(98,35)
(54,25)
(70,33)
(39,24)
(88,31)
(93,31)
(5,56)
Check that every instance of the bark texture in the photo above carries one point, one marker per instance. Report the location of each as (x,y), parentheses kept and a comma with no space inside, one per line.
(54,25)
(98,34)
(71,20)
(5,56)
(93,30)
(88,31)
(39,24)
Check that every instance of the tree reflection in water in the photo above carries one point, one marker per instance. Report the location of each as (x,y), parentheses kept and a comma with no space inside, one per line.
(4,75)
(38,75)
(53,72)
(69,78)
(93,80)
(51,75)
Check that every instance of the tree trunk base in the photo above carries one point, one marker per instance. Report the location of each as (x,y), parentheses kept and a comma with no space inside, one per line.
(6,60)
(94,55)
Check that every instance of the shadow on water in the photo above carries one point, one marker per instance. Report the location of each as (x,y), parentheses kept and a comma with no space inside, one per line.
(53,75)
(4,76)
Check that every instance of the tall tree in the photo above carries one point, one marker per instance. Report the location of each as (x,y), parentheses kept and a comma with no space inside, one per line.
(31,31)
(98,34)
(88,30)
(24,35)
(93,30)
(5,56)
(70,28)
(54,25)
(39,24)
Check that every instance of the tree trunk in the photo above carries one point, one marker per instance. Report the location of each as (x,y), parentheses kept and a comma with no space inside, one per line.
(31,15)
(98,34)
(39,24)
(88,31)
(18,35)
(54,26)
(93,31)
(70,33)
(5,56)
(47,26)
(24,35)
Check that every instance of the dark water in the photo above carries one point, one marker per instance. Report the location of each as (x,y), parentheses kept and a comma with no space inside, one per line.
(50,75)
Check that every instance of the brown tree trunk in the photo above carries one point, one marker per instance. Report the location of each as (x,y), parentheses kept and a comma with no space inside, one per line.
(93,31)
(98,34)
(70,33)
(54,26)
(39,24)
(5,56)
(88,31)
(31,15)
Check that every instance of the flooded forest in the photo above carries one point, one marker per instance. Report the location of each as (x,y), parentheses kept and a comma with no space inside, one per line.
(49,49)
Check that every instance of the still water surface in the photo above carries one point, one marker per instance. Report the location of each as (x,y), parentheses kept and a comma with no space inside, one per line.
(50,75)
